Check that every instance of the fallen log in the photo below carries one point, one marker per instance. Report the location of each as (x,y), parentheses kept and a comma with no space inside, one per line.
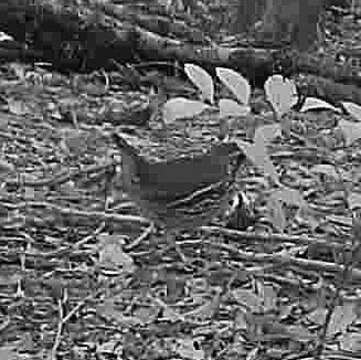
(88,39)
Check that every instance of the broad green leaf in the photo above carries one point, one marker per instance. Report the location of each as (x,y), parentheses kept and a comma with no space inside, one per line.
(202,80)
(353,109)
(281,93)
(228,107)
(236,83)
(351,131)
(312,103)
(180,108)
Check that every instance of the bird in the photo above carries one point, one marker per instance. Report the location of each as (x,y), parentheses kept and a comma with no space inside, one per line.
(241,213)
(183,193)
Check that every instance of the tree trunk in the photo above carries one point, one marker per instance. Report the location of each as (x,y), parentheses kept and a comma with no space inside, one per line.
(281,19)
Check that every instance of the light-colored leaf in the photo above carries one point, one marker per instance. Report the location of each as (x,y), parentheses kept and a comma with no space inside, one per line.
(243,145)
(247,298)
(240,319)
(202,80)
(8,279)
(289,196)
(111,253)
(236,83)
(325,169)
(106,347)
(109,309)
(186,349)
(180,108)
(342,317)
(300,333)
(29,193)
(8,353)
(257,154)
(5,168)
(351,131)
(18,70)
(269,295)
(5,37)
(351,341)
(18,107)
(281,93)
(276,214)
(339,220)
(34,77)
(209,308)
(74,141)
(145,314)
(353,109)
(228,107)
(312,103)
(354,199)
(266,133)
(263,162)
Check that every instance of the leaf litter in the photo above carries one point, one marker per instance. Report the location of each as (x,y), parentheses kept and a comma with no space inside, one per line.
(65,267)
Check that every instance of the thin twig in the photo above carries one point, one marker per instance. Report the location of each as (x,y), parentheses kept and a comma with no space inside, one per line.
(140,238)
(59,331)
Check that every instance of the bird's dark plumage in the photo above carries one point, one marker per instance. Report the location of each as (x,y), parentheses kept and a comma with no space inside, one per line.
(181,193)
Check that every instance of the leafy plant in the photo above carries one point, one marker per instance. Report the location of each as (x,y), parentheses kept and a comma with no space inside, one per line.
(353,109)
(351,131)
(229,108)
(312,103)
(240,88)
(202,80)
(180,108)
(236,83)
(281,93)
